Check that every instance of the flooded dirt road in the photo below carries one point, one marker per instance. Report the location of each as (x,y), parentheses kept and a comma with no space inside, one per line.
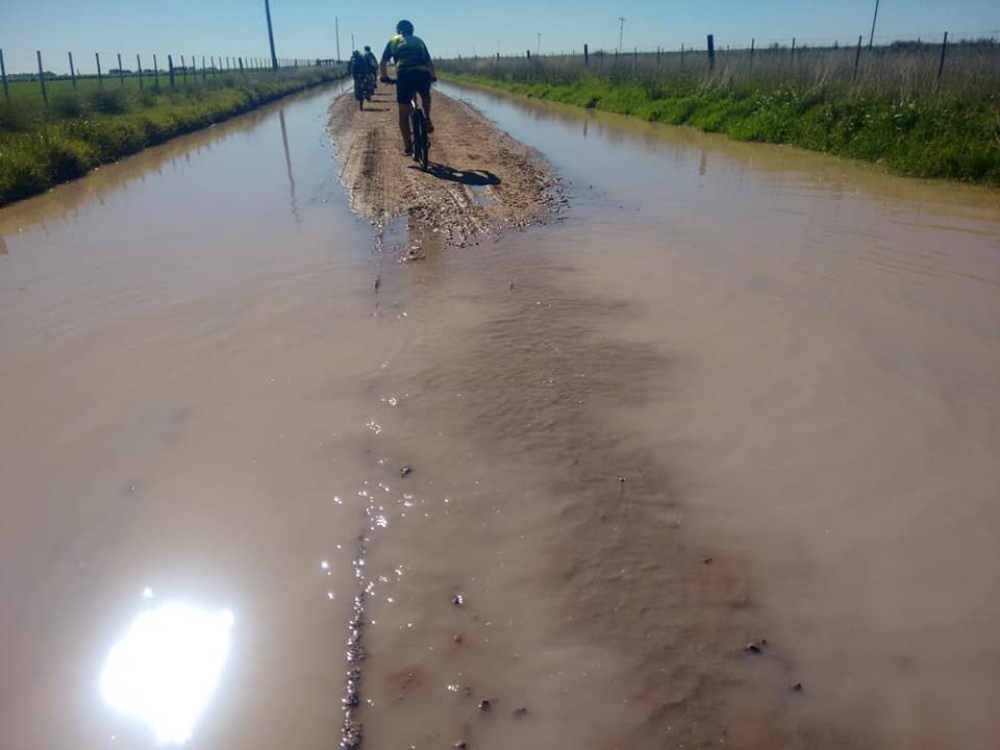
(732,396)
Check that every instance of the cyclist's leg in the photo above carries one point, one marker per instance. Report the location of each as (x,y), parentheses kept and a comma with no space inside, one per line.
(404,95)
(425,99)
(404,126)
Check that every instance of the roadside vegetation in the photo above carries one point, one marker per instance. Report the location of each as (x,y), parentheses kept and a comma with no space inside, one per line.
(83,126)
(899,106)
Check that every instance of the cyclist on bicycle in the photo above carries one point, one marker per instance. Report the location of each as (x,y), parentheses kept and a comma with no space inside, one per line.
(364,76)
(357,66)
(414,74)
(371,60)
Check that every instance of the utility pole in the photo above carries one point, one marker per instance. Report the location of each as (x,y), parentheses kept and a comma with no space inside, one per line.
(353,45)
(336,26)
(871,39)
(621,33)
(270,34)
(538,49)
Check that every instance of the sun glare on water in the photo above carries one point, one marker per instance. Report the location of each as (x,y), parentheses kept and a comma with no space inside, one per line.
(166,666)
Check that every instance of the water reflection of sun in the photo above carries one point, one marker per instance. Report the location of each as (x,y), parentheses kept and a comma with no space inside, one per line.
(165,667)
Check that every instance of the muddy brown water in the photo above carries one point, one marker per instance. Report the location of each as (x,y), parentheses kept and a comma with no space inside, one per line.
(792,361)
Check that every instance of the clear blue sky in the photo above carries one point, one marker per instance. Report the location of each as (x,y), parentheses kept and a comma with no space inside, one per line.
(305,28)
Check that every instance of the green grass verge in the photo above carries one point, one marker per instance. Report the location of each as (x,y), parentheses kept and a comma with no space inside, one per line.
(936,137)
(43,145)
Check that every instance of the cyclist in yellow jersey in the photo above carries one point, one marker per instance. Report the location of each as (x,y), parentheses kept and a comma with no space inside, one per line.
(414,74)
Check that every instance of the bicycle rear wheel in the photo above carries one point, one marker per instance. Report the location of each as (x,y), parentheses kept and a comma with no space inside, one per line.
(420,142)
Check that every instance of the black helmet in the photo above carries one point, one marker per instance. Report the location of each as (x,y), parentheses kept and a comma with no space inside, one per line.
(404,27)
(368,48)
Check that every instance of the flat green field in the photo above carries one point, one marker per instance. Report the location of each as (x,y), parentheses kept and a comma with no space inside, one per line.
(23,90)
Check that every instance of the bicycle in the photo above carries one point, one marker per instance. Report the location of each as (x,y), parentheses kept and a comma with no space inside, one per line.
(418,130)
(364,89)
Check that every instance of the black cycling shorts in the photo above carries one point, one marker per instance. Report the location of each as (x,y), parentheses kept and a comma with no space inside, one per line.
(413,82)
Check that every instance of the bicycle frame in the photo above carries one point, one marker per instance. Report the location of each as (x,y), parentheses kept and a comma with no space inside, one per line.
(418,130)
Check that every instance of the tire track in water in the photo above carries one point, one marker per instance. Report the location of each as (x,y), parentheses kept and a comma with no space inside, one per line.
(352,726)
(352,729)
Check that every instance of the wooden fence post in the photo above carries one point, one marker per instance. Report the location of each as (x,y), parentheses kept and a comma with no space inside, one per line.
(240,60)
(170,66)
(857,58)
(156,74)
(586,56)
(791,59)
(184,70)
(72,71)
(752,42)
(100,81)
(682,57)
(41,77)
(711,52)
(138,66)
(3,75)
(121,73)
(944,48)
(204,73)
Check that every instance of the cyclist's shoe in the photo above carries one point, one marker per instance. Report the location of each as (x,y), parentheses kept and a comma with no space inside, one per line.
(407,152)
(430,126)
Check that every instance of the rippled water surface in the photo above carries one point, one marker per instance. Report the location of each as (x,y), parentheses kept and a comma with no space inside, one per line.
(217,437)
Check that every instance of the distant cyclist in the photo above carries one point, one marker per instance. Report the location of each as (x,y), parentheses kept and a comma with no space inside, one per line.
(357,66)
(414,74)
(371,60)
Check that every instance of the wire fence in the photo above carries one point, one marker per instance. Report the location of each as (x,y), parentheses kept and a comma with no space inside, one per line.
(970,66)
(134,70)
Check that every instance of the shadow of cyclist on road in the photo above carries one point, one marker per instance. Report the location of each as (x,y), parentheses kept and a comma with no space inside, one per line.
(474,177)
